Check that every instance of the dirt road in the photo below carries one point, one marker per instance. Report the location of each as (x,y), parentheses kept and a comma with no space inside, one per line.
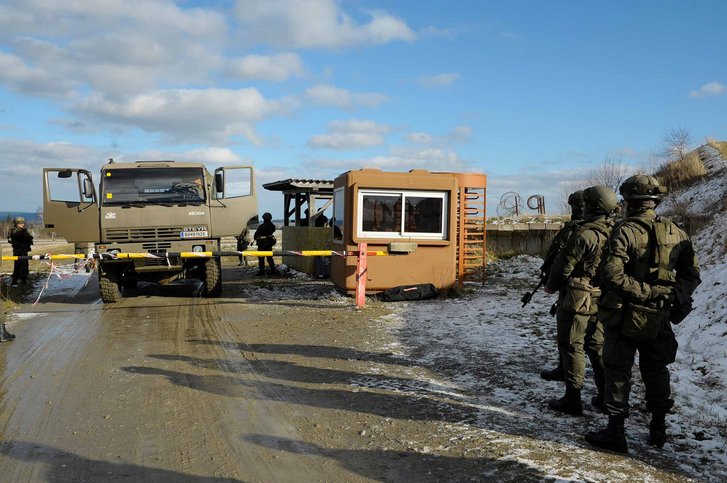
(280,379)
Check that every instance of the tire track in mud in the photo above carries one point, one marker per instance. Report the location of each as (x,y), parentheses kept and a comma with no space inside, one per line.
(273,416)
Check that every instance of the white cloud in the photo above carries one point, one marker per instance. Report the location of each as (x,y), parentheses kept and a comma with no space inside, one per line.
(115,47)
(21,77)
(439,79)
(328,95)
(459,134)
(420,138)
(22,161)
(277,67)
(316,23)
(190,115)
(351,134)
(398,159)
(213,157)
(709,89)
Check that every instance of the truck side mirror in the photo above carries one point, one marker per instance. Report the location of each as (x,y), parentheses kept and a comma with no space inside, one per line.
(87,188)
(65,173)
(219,182)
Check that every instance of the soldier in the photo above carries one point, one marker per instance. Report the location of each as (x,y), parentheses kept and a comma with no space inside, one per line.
(5,336)
(265,241)
(243,241)
(575,200)
(575,274)
(21,241)
(648,278)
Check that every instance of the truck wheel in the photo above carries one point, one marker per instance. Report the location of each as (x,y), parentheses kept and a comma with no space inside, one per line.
(212,283)
(108,284)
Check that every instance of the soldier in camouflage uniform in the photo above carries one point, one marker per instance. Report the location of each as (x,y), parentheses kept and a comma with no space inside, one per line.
(21,240)
(648,278)
(575,274)
(575,200)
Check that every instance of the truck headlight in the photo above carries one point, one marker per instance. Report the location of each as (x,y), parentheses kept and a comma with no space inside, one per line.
(198,248)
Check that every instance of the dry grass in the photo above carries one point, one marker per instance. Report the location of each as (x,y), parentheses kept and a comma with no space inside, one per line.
(720,146)
(681,174)
(691,222)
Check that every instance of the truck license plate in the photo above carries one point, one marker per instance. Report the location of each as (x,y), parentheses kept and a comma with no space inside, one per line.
(194,232)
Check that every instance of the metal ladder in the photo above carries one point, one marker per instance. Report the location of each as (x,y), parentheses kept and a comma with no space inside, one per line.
(471,232)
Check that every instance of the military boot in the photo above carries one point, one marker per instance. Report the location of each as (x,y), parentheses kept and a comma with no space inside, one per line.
(612,437)
(568,404)
(5,336)
(657,429)
(556,374)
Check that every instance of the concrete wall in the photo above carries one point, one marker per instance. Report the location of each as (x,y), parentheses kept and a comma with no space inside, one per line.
(521,238)
(299,238)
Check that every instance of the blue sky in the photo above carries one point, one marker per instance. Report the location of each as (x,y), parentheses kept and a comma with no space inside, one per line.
(532,93)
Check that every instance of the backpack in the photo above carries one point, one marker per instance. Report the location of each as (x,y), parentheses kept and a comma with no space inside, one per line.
(410,292)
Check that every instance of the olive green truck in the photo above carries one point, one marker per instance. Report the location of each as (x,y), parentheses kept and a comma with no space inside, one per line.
(155,210)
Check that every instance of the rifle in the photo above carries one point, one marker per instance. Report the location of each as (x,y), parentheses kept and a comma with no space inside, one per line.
(529,295)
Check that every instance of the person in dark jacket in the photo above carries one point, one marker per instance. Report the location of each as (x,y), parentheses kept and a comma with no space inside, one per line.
(575,200)
(21,240)
(265,242)
(5,336)
(575,274)
(243,241)
(648,278)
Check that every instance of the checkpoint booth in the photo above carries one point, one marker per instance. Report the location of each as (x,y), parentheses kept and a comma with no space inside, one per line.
(437,218)
(305,222)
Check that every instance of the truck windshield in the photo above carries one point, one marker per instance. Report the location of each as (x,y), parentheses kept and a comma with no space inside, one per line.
(153,186)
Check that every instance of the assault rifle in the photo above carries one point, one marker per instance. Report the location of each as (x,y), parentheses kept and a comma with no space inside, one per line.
(527,296)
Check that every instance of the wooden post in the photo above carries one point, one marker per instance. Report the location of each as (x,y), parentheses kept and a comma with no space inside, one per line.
(361,273)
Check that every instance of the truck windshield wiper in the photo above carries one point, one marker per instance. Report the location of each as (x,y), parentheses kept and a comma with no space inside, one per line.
(188,203)
(162,203)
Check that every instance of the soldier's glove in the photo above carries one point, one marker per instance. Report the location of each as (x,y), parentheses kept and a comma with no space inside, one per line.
(661,294)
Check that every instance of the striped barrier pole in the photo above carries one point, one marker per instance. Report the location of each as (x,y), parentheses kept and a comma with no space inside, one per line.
(361,274)
(248,253)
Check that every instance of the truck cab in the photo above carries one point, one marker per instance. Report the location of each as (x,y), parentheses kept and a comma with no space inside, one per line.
(143,211)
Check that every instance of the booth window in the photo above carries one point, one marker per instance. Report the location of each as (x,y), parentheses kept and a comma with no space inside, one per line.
(402,214)
(337,221)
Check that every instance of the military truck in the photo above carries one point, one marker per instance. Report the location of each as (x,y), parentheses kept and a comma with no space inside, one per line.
(155,208)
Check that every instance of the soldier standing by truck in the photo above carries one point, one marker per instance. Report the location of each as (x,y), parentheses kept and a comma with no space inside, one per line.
(650,273)
(21,241)
(575,274)
(265,239)
(5,336)
(575,200)
(243,241)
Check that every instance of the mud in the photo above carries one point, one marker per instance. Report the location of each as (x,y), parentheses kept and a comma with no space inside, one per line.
(280,379)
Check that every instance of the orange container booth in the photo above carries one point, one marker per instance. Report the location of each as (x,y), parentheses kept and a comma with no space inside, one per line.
(437,219)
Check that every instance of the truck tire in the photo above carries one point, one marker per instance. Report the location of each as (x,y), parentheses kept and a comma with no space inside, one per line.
(108,284)
(212,283)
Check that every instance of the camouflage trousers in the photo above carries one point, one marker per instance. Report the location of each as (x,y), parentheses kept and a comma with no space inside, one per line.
(579,335)
(619,353)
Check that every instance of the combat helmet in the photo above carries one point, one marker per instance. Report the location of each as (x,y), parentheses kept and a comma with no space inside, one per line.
(18,220)
(267,216)
(599,200)
(576,198)
(642,187)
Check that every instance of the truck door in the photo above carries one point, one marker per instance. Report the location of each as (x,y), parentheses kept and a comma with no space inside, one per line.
(235,200)
(70,205)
